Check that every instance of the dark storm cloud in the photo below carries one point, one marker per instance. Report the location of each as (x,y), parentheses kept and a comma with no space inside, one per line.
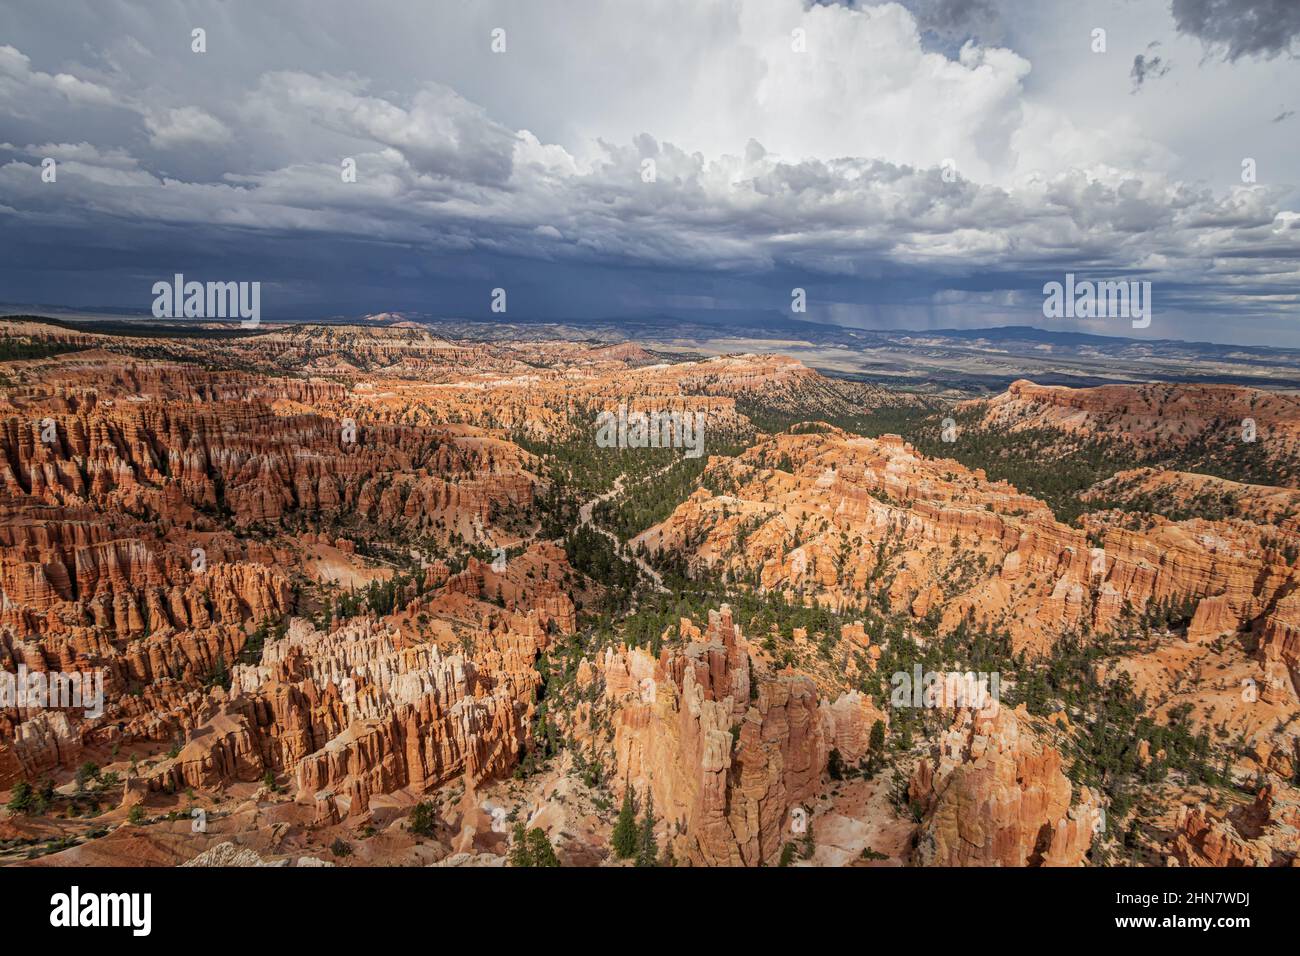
(952,22)
(1238,28)
(905,180)
(1147,66)
(951,15)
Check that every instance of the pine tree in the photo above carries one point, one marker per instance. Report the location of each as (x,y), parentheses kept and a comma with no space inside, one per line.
(423,820)
(540,850)
(877,740)
(20,798)
(624,838)
(45,792)
(87,772)
(519,853)
(835,765)
(647,847)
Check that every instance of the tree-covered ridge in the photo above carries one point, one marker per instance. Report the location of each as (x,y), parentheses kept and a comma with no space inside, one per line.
(14,350)
(1060,468)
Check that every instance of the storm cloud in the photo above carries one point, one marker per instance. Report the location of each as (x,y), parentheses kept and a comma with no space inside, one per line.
(617,160)
(1241,27)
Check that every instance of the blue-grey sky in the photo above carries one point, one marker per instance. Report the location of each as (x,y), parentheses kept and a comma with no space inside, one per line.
(924,165)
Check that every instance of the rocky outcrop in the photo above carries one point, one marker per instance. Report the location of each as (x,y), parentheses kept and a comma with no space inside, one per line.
(1279,648)
(530,581)
(360,711)
(832,516)
(1265,833)
(37,746)
(230,854)
(726,755)
(995,794)
(848,722)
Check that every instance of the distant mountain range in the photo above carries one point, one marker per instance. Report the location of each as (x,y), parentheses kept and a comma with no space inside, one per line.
(940,360)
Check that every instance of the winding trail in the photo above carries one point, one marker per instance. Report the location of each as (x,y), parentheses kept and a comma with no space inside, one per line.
(584,520)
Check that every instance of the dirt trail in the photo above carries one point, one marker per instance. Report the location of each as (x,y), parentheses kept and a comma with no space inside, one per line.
(584,519)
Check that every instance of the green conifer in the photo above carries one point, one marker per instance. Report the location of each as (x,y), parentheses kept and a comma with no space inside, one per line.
(624,839)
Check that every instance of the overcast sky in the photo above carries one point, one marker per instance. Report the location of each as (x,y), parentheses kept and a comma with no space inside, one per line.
(774,167)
